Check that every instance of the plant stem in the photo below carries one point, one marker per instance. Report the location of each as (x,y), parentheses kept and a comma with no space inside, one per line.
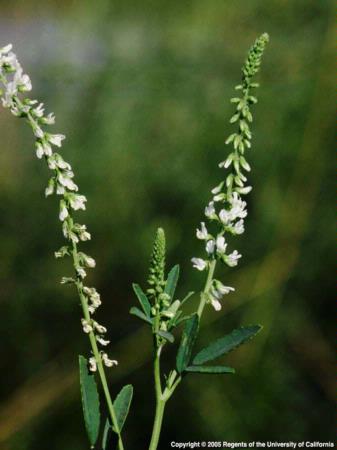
(163,397)
(206,288)
(97,354)
(160,403)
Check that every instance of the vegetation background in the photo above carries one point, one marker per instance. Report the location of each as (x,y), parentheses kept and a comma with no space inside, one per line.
(142,89)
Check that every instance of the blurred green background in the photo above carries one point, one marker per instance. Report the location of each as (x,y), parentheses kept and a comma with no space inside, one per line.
(141,89)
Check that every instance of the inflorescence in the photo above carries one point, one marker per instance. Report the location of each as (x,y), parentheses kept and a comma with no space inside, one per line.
(15,85)
(227,209)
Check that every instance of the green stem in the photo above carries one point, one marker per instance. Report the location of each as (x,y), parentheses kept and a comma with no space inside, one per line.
(206,288)
(158,420)
(163,397)
(160,402)
(97,354)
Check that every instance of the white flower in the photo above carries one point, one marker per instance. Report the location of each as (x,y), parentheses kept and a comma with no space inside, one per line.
(244,190)
(232,259)
(62,164)
(39,110)
(210,246)
(217,189)
(216,304)
(63,211)
(87,328)
(88,260)
(210,210)
(80,270)
(225,164)
(108,362)
(5,50)
(47,149)
(38,132)
(39,150)
(60,189)
(92,364)
(237,207)
(81,231)
(225,216)
(221,244)
(238,227)
(202,233)
(77,201)
(25,83)
(51,161)
(222,289)
(67,182)
(93,295)
(102,341)
(56,139)
(43,148)
(22,81)
(199,263)
(84,235)
(219,197)
(100,328)
(49,120)
(50,188)
(216,294)
(237,211)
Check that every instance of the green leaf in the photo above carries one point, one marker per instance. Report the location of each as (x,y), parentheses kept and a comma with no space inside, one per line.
(166,335)
(172,280)
(107,433)
(122,405)
(187,341)
(210,369)
(90,401)
(137,312)
(143,300)
(226,344)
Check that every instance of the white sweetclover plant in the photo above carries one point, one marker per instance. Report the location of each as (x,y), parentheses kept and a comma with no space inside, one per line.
(160,309)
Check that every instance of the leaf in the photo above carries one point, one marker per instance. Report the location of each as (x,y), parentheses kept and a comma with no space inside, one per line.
(166,335)
(137,312)
(210,369)
(226,344)
(122,405)
(172,280)
(90,401)
(187,341)
(143,300)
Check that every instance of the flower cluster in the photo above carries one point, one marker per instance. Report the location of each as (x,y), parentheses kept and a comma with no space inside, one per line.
(15,83)
(227,209)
